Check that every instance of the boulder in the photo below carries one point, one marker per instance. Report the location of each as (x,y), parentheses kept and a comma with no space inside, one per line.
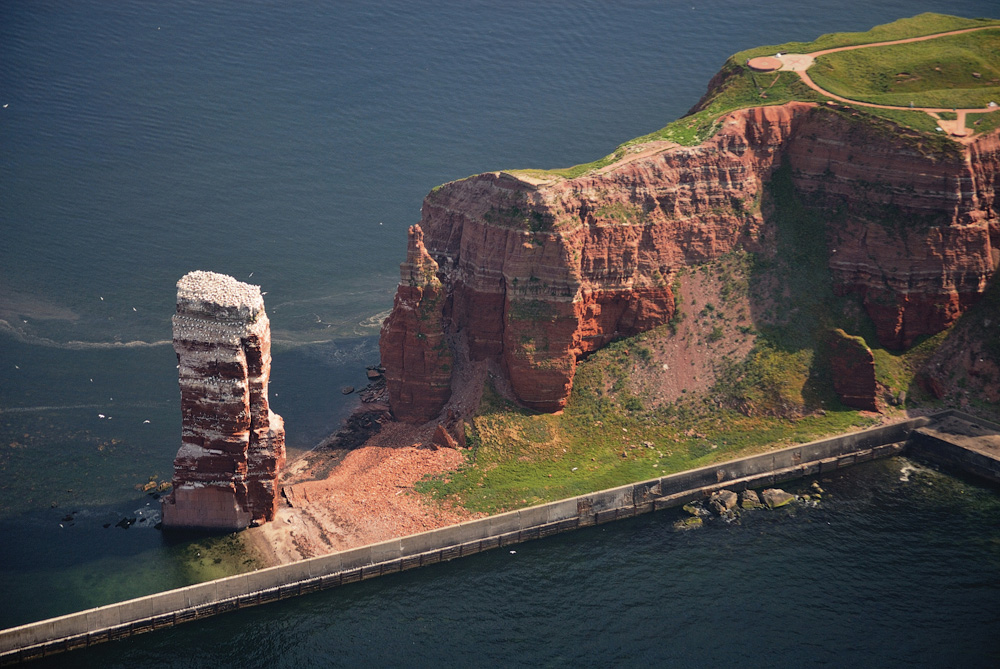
(443,438)
(749,499)
(775,497)
(722,501)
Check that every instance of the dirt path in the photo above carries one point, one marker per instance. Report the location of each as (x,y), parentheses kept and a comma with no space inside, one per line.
(800,63)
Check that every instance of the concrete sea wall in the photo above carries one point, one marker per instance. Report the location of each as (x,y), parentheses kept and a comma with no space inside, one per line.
(165,609)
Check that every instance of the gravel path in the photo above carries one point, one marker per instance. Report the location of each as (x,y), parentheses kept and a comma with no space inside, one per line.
(800,63)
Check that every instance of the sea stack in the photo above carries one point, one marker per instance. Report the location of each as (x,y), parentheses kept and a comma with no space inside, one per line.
(232,444)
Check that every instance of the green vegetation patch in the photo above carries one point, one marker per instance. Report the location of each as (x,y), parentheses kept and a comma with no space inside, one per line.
(532,310)
(927,23)
(521,217)
(956,71)
(741,88)
(518,458)
(983,122)
(623,214)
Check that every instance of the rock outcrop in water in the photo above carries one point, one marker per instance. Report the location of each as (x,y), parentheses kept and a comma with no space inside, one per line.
(233,445)
(533,271)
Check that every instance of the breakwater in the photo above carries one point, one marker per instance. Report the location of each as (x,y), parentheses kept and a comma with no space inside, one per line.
(170,608)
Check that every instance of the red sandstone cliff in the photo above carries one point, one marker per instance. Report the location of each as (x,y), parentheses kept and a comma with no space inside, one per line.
(413,338)
(233,445)
(534,271)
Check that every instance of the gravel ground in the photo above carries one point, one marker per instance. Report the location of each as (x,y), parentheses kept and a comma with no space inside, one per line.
(366,498)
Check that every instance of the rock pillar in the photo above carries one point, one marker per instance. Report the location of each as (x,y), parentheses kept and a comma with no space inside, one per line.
(852,365)
(232,444)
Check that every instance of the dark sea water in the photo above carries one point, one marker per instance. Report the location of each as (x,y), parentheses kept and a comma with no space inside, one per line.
(295,141)
(899,566)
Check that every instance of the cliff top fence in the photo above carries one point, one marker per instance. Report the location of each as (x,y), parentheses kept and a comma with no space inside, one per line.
(165,609)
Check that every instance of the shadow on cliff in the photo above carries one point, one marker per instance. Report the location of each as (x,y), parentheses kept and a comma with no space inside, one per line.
(792,303)
(961,367)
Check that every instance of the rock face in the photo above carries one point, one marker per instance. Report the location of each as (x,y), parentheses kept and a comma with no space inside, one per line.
(853,369)
(916,232)
(232,444)
(413,347)
(534,271)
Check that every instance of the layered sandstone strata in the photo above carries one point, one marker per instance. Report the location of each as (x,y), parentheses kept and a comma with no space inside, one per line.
(232,444)
(413,338)
(534,271)
(913,231)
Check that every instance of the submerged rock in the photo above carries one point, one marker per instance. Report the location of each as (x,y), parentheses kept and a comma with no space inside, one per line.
(690,523)
(696,509)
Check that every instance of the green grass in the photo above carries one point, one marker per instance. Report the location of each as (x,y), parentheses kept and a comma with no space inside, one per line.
(984,122)
(935,73)
(927,23)
(742,88)
(737,87)
(518,458)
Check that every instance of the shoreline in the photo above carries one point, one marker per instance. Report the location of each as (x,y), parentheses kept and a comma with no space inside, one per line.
(941,433)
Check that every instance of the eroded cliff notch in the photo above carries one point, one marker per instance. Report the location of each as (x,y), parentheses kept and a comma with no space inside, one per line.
(232,444)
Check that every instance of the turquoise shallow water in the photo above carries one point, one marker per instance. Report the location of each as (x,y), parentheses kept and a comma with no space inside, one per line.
(293,143)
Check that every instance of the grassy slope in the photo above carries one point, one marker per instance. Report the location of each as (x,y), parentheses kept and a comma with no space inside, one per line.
(936,73)
(737,87)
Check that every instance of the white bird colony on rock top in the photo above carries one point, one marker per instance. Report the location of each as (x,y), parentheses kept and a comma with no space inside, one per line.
(225,291)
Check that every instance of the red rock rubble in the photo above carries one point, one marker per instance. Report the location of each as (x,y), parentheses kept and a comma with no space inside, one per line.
(232,444)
